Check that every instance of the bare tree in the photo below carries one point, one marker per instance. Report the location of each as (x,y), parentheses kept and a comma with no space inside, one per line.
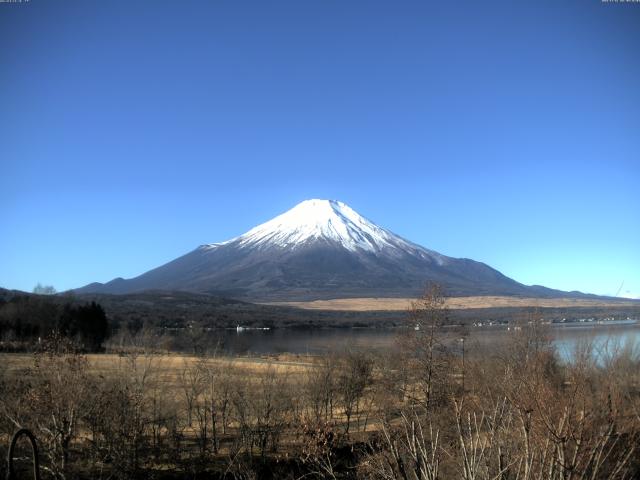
(190,381)
(44,289)
(54,398)
(423,348)
(354,376)
(408,450)
(320,388)
(261,411)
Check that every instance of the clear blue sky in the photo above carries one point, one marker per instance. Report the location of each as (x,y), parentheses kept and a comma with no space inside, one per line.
(507,132)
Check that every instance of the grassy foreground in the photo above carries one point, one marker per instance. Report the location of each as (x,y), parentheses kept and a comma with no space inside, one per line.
(419,411)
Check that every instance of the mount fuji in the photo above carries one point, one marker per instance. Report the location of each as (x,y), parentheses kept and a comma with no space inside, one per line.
(320,249)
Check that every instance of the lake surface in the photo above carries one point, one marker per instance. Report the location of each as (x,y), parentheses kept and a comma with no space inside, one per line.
(566,338)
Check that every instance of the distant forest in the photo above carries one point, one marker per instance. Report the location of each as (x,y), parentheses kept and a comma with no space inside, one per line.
(91,319)
(29,318)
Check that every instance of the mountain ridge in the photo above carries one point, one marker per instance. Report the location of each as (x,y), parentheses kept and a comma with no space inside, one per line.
(320,249)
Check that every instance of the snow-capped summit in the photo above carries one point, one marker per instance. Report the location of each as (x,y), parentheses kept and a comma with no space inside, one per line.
(322,220)
(314,219)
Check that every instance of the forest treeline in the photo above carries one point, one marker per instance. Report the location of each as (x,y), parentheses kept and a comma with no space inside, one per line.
(26,319)
(425,410)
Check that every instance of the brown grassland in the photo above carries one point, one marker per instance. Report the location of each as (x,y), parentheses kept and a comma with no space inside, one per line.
(455,303)
(423,410)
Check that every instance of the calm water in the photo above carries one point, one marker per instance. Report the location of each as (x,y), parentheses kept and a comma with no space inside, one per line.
(604,338)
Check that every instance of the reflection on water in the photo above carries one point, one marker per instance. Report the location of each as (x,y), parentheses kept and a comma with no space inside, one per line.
(605,339)
(312,341)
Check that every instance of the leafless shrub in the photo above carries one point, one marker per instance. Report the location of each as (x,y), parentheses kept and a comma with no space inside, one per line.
(408,450)
(213,383)
(318,450)
(353,377)
(50,400)
(261,410)
(320,389)
(125,416)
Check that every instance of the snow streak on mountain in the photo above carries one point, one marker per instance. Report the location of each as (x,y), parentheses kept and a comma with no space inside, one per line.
(319,249)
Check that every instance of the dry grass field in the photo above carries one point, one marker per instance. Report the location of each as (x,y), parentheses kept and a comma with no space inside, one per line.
(456,303)
(350,415)
(168,366)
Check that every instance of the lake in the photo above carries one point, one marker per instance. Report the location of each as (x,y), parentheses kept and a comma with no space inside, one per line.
(566,337)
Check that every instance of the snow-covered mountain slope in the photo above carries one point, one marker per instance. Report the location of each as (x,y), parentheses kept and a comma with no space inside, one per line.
(319,249)
(328,220)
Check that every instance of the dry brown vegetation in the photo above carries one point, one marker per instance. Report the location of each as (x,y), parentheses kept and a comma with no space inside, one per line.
(402,304)
(421,411)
